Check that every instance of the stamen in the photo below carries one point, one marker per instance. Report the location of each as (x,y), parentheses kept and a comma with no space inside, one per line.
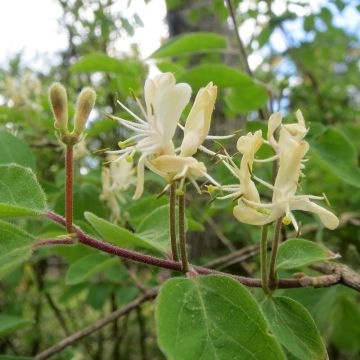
(261,181)
(272,158)
(132,114)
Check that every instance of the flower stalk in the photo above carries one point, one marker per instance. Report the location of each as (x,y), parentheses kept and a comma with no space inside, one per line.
(182,233)
(263,257)
(172,223)
(275,245)
(69,188)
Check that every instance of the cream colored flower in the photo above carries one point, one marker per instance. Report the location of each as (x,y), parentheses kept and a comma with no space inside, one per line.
(290,152)
(165,101)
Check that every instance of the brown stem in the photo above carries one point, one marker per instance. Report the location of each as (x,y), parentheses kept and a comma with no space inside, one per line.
(58,314)
(304,281)
(56,241)
(182,234)
(46,354)
(173,221)
(274,248)
(69,188)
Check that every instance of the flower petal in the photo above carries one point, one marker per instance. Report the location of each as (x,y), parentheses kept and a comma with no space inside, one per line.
(197,124)
(327,217)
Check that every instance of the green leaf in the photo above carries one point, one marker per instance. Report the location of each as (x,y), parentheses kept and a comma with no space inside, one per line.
(117,235)
(221,75)
(13,150)
(345,331)
(190,44)
(10,324)
(21,194)
(100,62)
(212,317)
(155,228)
(246,98)
(334,150)
(294,328)
(294,253)
(15,247)
(86,267)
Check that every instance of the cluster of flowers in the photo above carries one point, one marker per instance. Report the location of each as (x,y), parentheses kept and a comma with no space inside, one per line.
(165,101)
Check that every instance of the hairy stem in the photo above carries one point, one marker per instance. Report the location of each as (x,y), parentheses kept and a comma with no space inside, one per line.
(263,253)
(173,221)
(274,249)
(69,188)
(182,234)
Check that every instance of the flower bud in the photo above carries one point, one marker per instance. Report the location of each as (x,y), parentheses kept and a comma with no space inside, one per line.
(84,105)
(58,101)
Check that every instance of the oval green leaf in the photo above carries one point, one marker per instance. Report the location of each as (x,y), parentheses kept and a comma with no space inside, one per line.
(13,150)
(221,75)
(294,253)
(214,318)
(83,269)
(21,194)
(117,235)
(294,328)
(190,44)
(15,247)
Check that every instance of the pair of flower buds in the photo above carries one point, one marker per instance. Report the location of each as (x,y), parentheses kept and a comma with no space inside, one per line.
(59,105)
(165,101)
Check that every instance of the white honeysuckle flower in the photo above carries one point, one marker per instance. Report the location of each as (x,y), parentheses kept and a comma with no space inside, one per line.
(247,145)
(165,101)
(198,122)
(116,179)
(290,149)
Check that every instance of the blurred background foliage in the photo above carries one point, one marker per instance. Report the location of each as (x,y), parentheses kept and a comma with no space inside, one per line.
(299,58)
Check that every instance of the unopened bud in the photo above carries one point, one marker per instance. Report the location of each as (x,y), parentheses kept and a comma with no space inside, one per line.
(58,101)
(84,105)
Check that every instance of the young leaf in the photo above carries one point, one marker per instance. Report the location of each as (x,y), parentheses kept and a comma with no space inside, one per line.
(212,317)
(334,150)
(117,235)
(9,324)
(294,328)
(88,266)
(21,194)
(294,253)
(13,150)
(15,247)
(190,44)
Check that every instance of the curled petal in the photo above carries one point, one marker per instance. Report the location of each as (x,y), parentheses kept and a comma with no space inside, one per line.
(327,217)
(255,216)
(140,177)
(274,122)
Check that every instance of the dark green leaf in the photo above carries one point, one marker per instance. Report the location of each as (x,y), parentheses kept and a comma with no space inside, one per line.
(336,152)
(212,317)
(15,247)
(83,269)
(21,194)
(190,44)
(13,150)
(117,235)
(10,324)
(294,253)
(294,328)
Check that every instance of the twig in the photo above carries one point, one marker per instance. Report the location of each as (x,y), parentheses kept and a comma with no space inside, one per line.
(142,333)
(263,263)
(58,313)
(173,265)
(220,234)
(46,354)
(55,241)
